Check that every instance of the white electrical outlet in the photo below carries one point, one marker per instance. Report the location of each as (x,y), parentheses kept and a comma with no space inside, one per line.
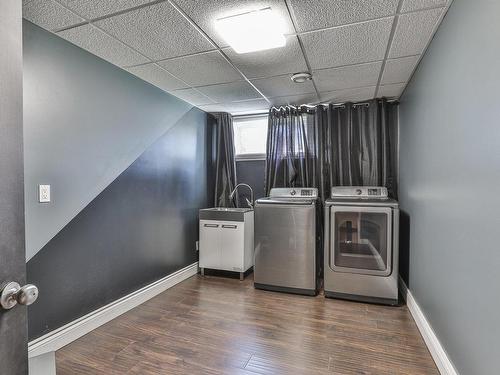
(43,193)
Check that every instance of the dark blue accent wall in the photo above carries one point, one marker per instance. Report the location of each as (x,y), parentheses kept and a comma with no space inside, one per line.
(251,172)
(142,227)
(128,167)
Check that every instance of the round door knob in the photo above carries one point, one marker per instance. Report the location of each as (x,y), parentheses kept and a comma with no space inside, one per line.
(12,294)
(27,295)
(8,297)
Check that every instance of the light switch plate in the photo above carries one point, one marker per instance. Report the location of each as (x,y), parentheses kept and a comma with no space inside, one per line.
(44,193)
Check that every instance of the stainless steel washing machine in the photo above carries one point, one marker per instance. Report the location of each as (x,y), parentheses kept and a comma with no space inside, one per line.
(286,239)
(361,245)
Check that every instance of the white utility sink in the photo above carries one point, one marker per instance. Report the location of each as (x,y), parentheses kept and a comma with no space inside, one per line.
(226,239)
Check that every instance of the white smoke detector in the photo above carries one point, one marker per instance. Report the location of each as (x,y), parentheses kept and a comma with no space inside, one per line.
(301,77)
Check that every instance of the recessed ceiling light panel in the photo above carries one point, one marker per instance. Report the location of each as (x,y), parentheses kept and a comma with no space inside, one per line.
(253,31)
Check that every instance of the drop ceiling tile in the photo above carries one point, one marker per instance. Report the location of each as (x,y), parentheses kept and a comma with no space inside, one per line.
(282,86)
(158,31)
(157,76)
(348,95)
(49,14)
(277,61)
(411,5)
(203,69)
(351,44)
(247,106)
(229,92)
(99,43)
(391,91)
(205,12)
(294,99)
(399,70)
(192,96)
(347,77)
(413,31)
(99,8)
(317,14)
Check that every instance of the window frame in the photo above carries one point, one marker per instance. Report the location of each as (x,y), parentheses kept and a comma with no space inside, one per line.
(254,156)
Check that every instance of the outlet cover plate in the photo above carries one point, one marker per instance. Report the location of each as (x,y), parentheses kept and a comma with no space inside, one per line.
(44,193)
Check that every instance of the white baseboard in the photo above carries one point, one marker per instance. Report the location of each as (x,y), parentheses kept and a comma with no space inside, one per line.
(443,362)
(62,336)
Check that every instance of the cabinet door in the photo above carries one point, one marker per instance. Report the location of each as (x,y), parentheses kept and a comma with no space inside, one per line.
(209,244)
(231,246)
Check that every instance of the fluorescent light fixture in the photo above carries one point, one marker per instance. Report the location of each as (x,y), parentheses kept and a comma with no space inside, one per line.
(252,31)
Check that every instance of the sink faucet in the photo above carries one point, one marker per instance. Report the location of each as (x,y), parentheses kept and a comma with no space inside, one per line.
(249,202)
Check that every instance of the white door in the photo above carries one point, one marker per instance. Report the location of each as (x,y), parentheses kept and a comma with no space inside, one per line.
(232,246)
(209,244)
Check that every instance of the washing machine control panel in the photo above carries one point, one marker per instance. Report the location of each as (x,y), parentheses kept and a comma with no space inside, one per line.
(307,193)
(359,192)
(294,193)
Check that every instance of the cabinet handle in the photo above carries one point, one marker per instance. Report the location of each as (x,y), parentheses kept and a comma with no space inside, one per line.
(230,226)
(211,225)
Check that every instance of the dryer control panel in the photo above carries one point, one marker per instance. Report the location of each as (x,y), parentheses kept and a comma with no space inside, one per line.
(294,193)
(363,192)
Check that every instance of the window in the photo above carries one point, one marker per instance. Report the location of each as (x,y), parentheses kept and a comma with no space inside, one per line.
(250,136)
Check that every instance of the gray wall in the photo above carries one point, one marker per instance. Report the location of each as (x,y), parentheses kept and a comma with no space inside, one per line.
(85,121)
(142,157)
(449,179)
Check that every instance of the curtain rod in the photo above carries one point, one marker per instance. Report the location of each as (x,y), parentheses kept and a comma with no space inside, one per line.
(250,115)
(314,106)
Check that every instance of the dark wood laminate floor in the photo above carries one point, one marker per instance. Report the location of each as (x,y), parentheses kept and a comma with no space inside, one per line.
(216,325)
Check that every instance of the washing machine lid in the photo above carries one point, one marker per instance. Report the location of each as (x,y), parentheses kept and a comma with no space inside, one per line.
(291,196)
(286,201)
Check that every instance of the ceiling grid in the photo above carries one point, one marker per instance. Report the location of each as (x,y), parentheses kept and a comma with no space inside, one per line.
(355,50)
(389,44)
(294,23)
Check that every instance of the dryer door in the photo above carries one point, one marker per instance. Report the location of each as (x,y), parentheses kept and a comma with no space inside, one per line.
(361,240)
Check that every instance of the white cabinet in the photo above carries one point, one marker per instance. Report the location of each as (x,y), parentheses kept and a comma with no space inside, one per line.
(232,246)
(227,245)
(209,244)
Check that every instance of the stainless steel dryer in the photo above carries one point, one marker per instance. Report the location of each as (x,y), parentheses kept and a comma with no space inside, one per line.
(361,245)
(286,248)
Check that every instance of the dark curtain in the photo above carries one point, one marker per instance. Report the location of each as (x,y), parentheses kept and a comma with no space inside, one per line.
(292,149)
(348,145)
(225,167)
(362,145)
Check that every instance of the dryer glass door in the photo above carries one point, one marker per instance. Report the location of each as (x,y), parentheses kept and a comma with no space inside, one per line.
(361,240)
